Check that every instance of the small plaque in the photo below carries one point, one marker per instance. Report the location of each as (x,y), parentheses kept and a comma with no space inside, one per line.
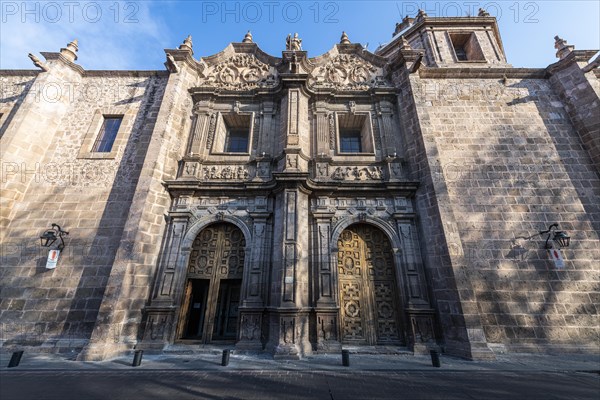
(557,258)
(289,279)
(52,259)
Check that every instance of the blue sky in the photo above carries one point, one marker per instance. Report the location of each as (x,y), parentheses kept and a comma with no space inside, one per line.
(132,34)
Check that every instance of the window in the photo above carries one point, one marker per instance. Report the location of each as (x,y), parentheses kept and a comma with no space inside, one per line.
(466,47)
(233,133)
(354,133)
(350,141)
(237,141)
(108,132)
(461,54)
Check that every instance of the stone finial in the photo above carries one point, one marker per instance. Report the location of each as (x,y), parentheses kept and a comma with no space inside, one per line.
(420,15)
(483,13)
(404,45)
(406,22)
(70,53)
(293,43)
(344,39)
(187,44)
(38,63)
(562,48)
(247,38)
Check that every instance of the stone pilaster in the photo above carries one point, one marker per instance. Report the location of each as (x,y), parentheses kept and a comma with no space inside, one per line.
(142,227)
(420,314)
(326,310)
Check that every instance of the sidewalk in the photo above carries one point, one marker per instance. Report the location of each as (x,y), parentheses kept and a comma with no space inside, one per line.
(211,361)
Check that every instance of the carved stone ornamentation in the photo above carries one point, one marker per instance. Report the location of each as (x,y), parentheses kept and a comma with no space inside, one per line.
(293,43)
(225,172)
(331,131)
(250,327)
(347,72)
(190,169)
(357,173)
(211,130)
(322,170)
(240,72)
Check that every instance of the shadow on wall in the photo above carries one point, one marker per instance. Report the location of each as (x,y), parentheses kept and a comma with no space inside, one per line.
(523,299)
(63,304)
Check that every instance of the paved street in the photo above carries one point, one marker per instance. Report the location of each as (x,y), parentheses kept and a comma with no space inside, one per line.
(186,384)
(401,375)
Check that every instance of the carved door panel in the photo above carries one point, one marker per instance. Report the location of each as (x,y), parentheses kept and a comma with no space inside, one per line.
(217,258)
(226,316)
(185,307)
(368,298)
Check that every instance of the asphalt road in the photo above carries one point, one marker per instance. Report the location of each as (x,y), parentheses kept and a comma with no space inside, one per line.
(264,385)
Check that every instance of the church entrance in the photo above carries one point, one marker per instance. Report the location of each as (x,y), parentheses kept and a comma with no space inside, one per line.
(369,302)
(214,281)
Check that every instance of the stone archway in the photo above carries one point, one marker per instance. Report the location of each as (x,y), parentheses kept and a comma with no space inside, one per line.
(213,285)
(370,307)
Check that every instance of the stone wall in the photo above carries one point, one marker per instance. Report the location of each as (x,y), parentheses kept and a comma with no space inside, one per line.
(14,86)
(459,323)
(88,197)
(513,164)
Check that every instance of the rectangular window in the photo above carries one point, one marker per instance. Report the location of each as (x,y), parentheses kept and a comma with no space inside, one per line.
(350,141)
(233,133)
(237,141)
(354,133)
(466,47)
(108,132)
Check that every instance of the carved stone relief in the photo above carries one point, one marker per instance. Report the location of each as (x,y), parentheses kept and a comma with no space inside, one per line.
(240,72)
(224,172)
(357,173)
(347,72)
(332,131)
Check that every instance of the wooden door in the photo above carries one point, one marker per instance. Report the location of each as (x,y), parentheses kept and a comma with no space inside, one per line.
(367,284)
(217,258)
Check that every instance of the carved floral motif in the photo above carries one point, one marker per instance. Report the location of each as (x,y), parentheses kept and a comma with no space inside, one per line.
(347,72)
(240,72)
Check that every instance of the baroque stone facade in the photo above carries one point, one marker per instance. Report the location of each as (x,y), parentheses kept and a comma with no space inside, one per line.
(293,204)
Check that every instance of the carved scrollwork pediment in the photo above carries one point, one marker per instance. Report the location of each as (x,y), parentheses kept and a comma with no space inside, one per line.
(240,72)
(347,72)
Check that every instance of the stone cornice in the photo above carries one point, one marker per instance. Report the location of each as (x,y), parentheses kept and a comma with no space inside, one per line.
(125,73)
(482,73)
(20,72)
(574,57)
(404,187)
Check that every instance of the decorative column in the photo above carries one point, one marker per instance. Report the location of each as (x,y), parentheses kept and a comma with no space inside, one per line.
(200,128)
(267,129)
(324,274)
(388,133)
(289,305)
(324,143)
(255,290)
(289,312)
(160,314)
(421,316)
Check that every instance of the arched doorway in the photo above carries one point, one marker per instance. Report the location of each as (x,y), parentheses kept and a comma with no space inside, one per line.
(214,280)
(369,301)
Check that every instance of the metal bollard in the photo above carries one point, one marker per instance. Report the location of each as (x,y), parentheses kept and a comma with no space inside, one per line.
(137,358)
(225,359)
(15,359)
(346,358)
(435,358)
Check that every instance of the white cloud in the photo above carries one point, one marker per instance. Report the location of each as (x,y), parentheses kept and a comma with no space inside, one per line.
(129,36)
